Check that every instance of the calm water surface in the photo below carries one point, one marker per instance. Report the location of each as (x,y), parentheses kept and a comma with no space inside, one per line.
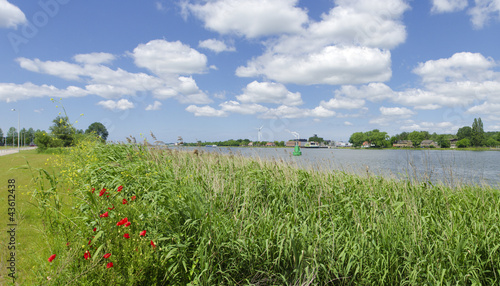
(450,167)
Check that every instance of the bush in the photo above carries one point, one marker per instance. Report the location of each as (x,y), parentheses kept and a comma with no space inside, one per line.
(464,143)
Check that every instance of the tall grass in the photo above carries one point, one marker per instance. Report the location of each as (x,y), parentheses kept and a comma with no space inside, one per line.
(228,220)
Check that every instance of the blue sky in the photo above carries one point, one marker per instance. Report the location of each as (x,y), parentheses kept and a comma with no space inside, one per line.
(220,69)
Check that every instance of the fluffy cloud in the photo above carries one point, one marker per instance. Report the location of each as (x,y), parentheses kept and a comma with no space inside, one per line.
(94,58)
(401,112)
(113,84)
(10,15)
(10,92)
(343,103)
(269,92)
(485,108)
(332,65)
(122,104)
(439,127)
(205,111)
(236,107)
(250,18)
(444,6)
(484,11)
(155,106)
(460,66)
(216,46)
(166,58)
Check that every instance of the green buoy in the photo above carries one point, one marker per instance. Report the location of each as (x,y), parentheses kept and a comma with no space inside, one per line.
(297,151)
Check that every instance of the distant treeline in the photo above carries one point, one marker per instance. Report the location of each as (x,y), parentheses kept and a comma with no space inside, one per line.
(235,143)
(467,136)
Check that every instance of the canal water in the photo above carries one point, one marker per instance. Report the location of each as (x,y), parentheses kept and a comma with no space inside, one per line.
(450,167)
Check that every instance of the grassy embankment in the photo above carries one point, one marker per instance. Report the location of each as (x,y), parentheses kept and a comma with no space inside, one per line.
(214,219)
(29,234)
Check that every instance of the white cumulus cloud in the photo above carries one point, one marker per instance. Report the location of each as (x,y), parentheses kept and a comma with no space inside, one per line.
(10,15)
(250,18)
(155,106)
(122,104)
(166,58)
(445,6)
(269,92)
(216,46)
(206,111)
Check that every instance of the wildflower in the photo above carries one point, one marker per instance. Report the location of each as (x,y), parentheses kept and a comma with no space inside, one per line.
(124,201)
(52,257)
(142,233)
(153,244)
(133,198)
(90,242)
(93,189)
(86,255)
(95,228)
(120,188)
(122,222)
(128,224)
(102,192)
(104,214)
(109,265)
(111,208)
(127,236)
(67,244)
(107,255)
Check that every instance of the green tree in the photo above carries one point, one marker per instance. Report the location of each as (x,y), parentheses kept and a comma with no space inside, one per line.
(63,130)
(464,143)
(464,132)
(30,136)
(380,139)
(42,140)
(477,135)
(443,141)
(315,138)
(99,129)
(12,136)
(416,138)
(492,142)
(357,139)
(1,138)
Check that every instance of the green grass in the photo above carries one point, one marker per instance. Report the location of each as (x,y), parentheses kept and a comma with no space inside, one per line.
(29,230)
(227,220)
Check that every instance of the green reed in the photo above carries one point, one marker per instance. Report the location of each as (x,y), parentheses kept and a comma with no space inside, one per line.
(228,220)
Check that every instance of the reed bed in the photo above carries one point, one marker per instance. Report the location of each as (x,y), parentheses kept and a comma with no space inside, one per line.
(229,220)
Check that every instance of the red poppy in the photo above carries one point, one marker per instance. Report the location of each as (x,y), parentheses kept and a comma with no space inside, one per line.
(93,189)
(128,224)
(52,257)
(104,214)
(107,255)
(102,192)
(86,255)
(124,201)
(133,197)
(153,244)
(122,222)
(142,233)
(95,228)
(67,244)
(112,208)
(109,265)
(90,241)
(127,236)
(120,188)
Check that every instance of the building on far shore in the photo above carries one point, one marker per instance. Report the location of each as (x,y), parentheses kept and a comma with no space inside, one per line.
(270,144)
(453,143)
(428,144)
(292,143)
(403,143)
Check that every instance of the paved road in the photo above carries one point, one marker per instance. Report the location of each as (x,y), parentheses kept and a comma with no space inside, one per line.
(13,150)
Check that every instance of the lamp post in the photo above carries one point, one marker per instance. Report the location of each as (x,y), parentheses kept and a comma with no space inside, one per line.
(18,128)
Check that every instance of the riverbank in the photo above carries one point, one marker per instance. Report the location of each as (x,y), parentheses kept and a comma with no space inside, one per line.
(214,219)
